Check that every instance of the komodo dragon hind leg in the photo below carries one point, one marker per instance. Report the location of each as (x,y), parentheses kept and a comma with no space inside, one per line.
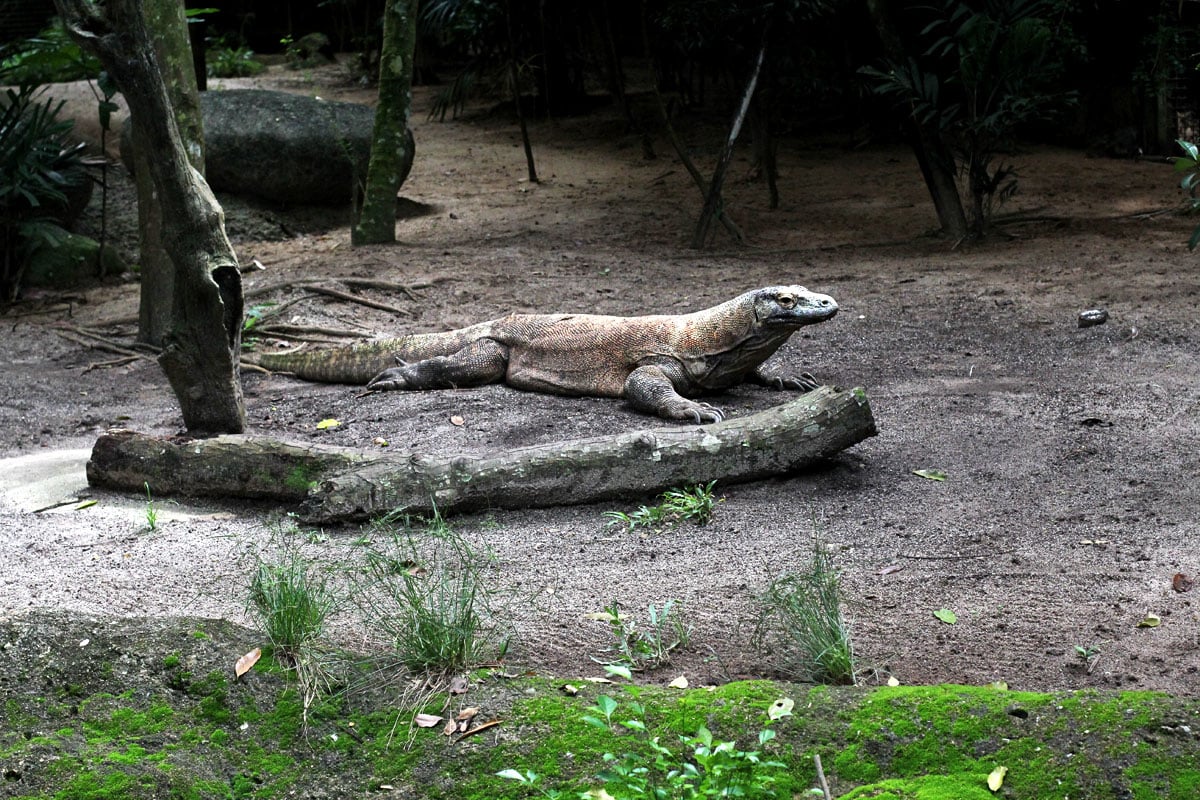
(482,361)
(651,389)
(804,382)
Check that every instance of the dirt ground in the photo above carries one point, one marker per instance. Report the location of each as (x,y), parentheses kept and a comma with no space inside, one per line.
(1071,455)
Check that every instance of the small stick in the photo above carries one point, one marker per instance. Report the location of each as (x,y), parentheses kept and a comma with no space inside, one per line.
(821,777)
(355,298)
(116,362)
(294,331)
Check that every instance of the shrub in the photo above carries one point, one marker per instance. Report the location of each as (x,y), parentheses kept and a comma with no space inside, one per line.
(37,166)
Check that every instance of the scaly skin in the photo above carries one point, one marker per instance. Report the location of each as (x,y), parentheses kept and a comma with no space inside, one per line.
(655,362)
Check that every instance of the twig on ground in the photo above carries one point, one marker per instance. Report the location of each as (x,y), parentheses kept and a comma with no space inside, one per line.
(92,341)
(116,362)
(357,298)
(821,777)
(285,331)
(373,283)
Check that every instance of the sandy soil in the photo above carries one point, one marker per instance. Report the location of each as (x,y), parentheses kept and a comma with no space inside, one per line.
(1071,454)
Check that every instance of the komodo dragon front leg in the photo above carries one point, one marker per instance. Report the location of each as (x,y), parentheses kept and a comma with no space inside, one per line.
(651,388)
(804,382)
(482,361)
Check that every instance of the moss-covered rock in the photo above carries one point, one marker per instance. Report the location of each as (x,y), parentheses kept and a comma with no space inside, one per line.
(74,261)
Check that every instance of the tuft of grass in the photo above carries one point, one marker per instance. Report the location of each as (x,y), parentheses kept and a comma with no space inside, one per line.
(151,511)
(801,622)
(646,647)
(423,590)
(292,602)
(695,504)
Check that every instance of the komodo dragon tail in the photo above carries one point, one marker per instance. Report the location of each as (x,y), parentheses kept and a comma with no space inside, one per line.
(358,363)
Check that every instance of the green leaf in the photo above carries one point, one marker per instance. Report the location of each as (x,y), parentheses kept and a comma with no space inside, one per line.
(619,671)
(1194,240)
(606,704)
(931,474)
(1190,149)
(946,615)
(513,775)
(781,708)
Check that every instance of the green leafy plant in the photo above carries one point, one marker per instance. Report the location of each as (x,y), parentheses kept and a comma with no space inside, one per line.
(423,590)
(646,647)
(699,766)
(696,504)
(37,166)
(50,57)
(228,58)
(801,622)
(1087,655)
(1189,166)
(151,511)
(989,67)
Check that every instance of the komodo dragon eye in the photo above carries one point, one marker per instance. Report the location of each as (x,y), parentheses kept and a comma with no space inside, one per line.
(785,301)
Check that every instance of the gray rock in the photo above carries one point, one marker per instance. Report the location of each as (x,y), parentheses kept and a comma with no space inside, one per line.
(286,148)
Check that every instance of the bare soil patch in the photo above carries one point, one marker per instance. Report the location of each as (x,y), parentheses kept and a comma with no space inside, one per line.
(1071,454)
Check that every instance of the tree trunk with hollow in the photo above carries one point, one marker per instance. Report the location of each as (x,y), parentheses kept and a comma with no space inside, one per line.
(201,350)
(331,484)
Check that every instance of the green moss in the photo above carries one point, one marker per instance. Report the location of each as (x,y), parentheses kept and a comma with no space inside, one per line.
(929,787)
(299,479)
(172,660)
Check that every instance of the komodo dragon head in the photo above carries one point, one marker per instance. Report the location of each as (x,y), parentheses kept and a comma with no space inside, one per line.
(791,307)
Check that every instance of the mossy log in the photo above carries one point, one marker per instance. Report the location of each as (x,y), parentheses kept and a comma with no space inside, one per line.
(331,484)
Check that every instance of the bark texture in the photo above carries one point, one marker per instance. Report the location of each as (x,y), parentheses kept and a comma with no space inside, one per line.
(173,49)
(200,351)
(328,484)
(390,141)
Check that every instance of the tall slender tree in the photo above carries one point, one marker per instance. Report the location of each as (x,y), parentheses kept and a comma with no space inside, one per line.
(390,140)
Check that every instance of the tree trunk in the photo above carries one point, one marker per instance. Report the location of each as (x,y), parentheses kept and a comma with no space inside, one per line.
(332,484)
(933,155)
(389,140)
(173,48)
(514,77)
(665,116)
(712,201)
(201,351)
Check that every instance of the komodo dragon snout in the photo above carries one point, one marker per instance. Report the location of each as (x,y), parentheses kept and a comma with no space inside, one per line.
(656,363)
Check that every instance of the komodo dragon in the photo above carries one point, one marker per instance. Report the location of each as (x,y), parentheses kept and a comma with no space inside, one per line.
(654,362)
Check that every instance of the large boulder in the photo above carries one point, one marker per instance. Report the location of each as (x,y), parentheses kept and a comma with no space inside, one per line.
(286,148)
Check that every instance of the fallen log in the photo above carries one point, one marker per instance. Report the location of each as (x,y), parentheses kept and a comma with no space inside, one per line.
(332,484)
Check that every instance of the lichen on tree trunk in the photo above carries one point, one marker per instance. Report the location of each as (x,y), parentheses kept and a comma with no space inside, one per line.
(389,140)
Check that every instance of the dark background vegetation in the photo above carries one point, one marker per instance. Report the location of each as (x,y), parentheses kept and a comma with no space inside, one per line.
(1130,63)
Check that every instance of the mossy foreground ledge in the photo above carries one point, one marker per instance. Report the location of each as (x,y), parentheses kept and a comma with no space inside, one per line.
(118,708)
